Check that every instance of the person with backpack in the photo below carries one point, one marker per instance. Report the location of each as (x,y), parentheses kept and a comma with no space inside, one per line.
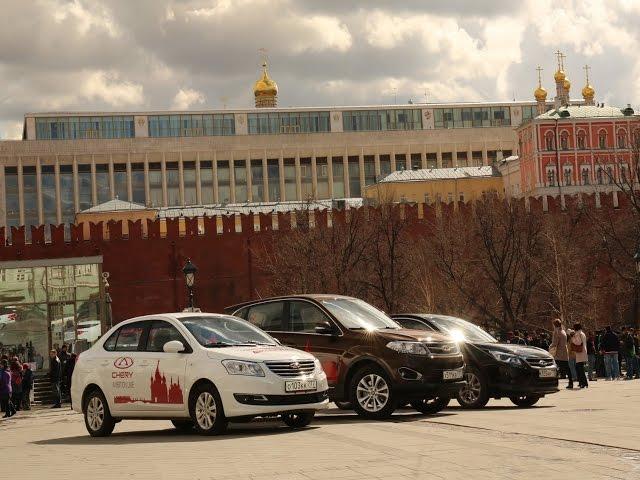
(579,348)
(16,383)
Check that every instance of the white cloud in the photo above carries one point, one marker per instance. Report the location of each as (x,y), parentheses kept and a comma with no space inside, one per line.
(84,17)
(11,130)
(107,87)
(185,98)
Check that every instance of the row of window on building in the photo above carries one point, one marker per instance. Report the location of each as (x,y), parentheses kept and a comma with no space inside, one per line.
(198,125)
(150,190)
(582,142)
(605,175)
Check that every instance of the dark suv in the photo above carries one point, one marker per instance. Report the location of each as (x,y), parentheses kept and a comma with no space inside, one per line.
(494,370)
(370,361)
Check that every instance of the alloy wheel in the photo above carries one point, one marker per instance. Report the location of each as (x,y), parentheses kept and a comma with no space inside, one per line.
(471,390)
(95,413)
(206,410)
(372,392)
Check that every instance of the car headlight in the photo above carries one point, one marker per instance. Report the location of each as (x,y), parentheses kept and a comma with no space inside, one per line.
(505,357)
(318,365)
(239,367)
(413,348)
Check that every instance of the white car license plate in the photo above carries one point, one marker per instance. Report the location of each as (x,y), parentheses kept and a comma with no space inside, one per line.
(300,385)
(452,374)
(547,373)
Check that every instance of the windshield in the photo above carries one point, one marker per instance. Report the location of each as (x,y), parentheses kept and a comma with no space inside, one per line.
(355,314)
(461,329)
(225,331)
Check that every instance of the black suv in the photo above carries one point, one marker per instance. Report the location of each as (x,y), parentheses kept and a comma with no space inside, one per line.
(371,362)
(494,370)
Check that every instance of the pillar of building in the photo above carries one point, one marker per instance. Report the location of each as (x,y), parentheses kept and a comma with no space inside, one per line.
(423,156)
(147,190)
(298,177)
(163,170)
(94,184)
(283,195)
(247,167)
(361,168)
(265,176)
(198,186)
(112,185)
(345,173)
(56,169)
(393,158)
(232,177)
(214,166)
(439,156)
(76,194)
(330,173)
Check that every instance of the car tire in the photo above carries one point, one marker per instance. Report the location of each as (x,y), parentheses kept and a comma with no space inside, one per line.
(372,393)
(206,410)
(344,405)
(475,393)
(97,416)
(183,425)
(429,406)
(297,420)
(524,401)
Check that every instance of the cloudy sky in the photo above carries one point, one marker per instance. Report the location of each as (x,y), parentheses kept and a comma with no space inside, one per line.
(179,54)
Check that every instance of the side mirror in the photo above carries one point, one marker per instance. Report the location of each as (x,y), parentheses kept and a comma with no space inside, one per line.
(325,328)
(174,346)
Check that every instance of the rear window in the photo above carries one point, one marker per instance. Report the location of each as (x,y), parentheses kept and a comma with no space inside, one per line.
(126,338)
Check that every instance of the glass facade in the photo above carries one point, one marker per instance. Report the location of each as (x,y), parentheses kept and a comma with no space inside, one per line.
(103,183)
(44,307)
(338,177)
(191,125)
(322,177)
(206,181)
(49,199)
(120,181)
(72,128)
(84,186)
(385,165)
(189,179)
(374,120)
(369,170)
(306,179)
(290,189)
(155,185)
(67,196)
(240,176)
(257,184)
(30,195)
(12,197)
(472,117)
(273,177)
(288,122)
(224,185)
(354,176)
(173,184)
(137,184)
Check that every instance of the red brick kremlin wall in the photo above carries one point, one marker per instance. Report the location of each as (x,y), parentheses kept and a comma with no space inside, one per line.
(146,271)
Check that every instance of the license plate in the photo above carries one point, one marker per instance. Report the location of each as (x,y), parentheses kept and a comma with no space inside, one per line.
(452,374)
(300,385)
(548,373)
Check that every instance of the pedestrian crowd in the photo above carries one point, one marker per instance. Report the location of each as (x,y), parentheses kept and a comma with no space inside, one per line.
(17,380)
(583,357)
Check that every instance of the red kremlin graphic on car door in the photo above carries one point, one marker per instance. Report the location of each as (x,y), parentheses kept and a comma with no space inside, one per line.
(161,392)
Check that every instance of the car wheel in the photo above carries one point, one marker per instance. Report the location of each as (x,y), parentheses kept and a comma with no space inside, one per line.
(344,405)
(206,410)
(97,417)
(297,420)
(524,400)
(430,406)
(475,392)
(183,425)
(372,393)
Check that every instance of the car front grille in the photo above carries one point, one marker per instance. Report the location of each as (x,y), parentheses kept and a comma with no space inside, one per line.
(292,368)
(538,362)
(443,348)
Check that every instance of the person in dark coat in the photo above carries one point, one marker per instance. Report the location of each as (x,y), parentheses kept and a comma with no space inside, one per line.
(55,376)
(27,386)
(63,356)
(5,390)
(16,383)
(610,344)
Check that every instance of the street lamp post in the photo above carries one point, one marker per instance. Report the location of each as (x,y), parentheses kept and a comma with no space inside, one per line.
(189,270)
(636,282)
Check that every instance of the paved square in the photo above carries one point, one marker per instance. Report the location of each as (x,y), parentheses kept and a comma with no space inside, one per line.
(581,434)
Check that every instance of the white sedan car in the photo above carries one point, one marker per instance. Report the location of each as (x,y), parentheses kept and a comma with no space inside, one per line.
(198,370)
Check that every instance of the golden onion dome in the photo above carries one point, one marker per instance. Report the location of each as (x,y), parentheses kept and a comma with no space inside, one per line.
(566,84)
(559,76)
(265,86)
(588,91)
(540,94)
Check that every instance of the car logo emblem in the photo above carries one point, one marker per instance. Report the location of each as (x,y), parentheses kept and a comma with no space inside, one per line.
(294,366)
(446,348)
(123,362)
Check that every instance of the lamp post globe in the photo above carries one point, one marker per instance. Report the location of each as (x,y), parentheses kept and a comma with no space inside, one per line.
(189,270)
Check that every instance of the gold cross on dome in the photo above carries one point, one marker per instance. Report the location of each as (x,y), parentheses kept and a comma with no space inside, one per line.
(539,69)
(263,52)
(559,57)
(586,69)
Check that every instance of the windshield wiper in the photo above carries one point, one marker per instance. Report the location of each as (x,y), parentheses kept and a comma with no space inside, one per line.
(217,345)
